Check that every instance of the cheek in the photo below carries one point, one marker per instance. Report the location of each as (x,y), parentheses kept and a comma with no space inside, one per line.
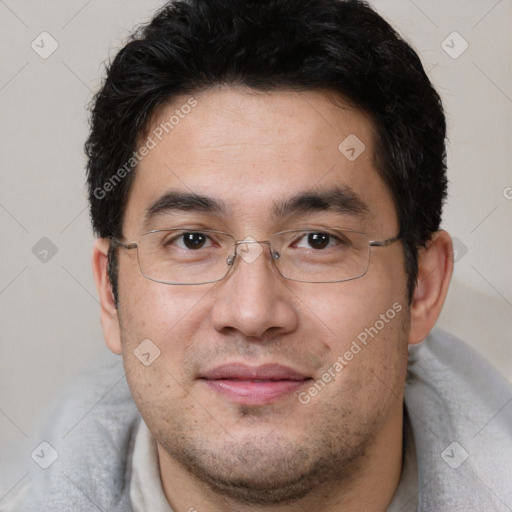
(365,328)
(158,324)
(159,392)
(164,322)
(155,311)
(350,310)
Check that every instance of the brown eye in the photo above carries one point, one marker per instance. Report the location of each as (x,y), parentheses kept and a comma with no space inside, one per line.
(194,240)
(319,240)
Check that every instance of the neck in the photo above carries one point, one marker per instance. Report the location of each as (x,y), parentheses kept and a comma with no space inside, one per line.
(372,486)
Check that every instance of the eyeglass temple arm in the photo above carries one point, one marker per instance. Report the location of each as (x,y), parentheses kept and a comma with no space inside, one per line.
(118,243)
(385,243)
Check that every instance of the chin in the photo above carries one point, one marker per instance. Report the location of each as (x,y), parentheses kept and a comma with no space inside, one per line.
(259,472)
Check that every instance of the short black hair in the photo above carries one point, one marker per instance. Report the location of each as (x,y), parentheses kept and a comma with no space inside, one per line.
(338,45)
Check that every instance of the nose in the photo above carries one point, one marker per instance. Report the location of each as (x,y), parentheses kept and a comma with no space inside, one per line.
(253,299)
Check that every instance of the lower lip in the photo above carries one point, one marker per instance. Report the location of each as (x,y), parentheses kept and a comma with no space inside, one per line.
(255,393)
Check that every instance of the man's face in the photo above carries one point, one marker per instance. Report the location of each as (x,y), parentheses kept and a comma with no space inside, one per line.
(210,399)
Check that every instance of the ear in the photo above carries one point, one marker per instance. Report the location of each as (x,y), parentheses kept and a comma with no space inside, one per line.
(108,313)
(435,268)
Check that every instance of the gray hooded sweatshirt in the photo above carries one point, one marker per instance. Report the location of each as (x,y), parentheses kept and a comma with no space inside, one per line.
(459,409)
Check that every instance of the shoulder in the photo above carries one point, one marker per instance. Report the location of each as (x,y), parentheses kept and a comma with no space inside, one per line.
(92,431)
(451,369)
(460,410)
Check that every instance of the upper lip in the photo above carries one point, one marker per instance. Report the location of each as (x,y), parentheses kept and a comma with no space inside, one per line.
(240,371)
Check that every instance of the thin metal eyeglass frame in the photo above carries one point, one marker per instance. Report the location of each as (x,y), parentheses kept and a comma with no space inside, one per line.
(230,260)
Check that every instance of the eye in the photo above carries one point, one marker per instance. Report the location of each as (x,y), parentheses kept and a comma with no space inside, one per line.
(317,241)
(191,241)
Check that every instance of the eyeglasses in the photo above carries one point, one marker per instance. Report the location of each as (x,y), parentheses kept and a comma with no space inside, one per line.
(189,256)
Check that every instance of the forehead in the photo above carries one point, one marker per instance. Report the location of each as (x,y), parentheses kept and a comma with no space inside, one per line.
(252,150)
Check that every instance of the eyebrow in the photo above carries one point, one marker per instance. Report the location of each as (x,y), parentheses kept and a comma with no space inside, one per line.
(341,199)
(174,201)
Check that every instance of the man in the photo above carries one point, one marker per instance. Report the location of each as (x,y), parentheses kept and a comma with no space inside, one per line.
(266,182)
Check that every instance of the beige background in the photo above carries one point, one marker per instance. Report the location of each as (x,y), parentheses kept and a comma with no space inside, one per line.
(49,314)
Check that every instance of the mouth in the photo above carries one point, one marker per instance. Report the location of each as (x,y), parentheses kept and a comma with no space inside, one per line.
(254,385)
